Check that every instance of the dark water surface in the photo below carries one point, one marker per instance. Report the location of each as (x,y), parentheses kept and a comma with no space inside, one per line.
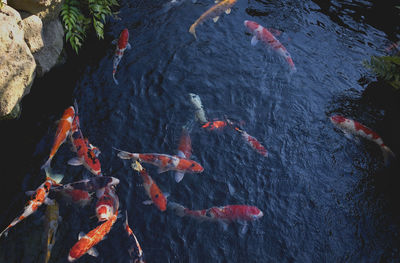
(325,198)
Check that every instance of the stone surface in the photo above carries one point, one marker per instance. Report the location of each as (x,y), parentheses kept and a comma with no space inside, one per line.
(17,65)
(44,9)
(32,26)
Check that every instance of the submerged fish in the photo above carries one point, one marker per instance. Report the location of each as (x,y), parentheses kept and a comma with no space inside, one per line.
(214,125)
(137,257)
(108,204)
(152,190)
(122,45)
(87,242)
(261,33)
(349,126)
(184,151)
(227,213)
(196,102)
(63,129)
(164,162)
(37,199)
(51,225)
(213,12)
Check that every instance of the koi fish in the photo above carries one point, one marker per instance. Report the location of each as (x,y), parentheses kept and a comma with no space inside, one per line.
(164,162)
(63,129)
(213,12)
(151,188)
(86,153)
(196,102)
(349,126)
(51,225)
(37,199)
(139,257)
(253,142)
(184,151)
(87,242)
(76,196)
(107,205)
(122,45)
(227,213)
(214,125)
(261,33)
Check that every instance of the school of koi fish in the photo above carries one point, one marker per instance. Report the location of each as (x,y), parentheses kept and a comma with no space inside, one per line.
(104,188)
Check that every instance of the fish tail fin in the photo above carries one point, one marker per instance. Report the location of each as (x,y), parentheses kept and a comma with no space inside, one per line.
(46,165)
(388,155)
(4,232)
(177,208)
(124,155)
(192,30)
(56,177)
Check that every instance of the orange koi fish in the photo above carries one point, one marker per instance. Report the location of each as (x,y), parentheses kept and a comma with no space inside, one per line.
(184,151)
(151,188)
(137,257)
(37,199)
(63,129)
(122,45)
(164,162)
(213,12)
(214,125)
(87,242)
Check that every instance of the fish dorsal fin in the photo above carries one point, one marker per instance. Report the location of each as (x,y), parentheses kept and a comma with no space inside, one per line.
(93,252)
(215,19)
(80,235)
(254,40)
(228,11)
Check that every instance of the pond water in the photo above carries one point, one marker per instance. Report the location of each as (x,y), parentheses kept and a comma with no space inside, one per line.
(318,190)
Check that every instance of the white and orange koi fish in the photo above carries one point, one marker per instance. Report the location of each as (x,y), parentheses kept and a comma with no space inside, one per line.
(184,151)
(164,162)
(122,45)
(87,242)
(37,199)
(349,126)
(261,33)
(137,257)
(108,204)
(213,12)
(63,129)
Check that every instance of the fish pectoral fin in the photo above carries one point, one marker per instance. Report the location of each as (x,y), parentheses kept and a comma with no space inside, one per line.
(254,40)
(148,202)
(48,201)
(128,46)
(162,169)
(80,235)
(29,193)
(75,161)
(215,19)
(93,252)
(224,225)
(228,11)
(179,176)
(114,42)
(166,195)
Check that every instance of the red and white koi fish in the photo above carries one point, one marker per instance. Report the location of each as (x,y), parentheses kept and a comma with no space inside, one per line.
(137,257)
(349,126)
(108,204)
(63,129)
(227,213)
(86,153)
(213,12)
(261,33)
(253,142)
(184,151)
(37,199)
(152,190)
(214,125)
(122,45)
(164,162)
(87,242)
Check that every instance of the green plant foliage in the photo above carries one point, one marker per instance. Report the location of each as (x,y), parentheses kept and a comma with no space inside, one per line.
(79,16)
(387,68)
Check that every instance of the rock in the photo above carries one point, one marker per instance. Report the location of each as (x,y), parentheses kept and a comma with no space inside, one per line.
(17,65)
(32,26)
(44,9)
